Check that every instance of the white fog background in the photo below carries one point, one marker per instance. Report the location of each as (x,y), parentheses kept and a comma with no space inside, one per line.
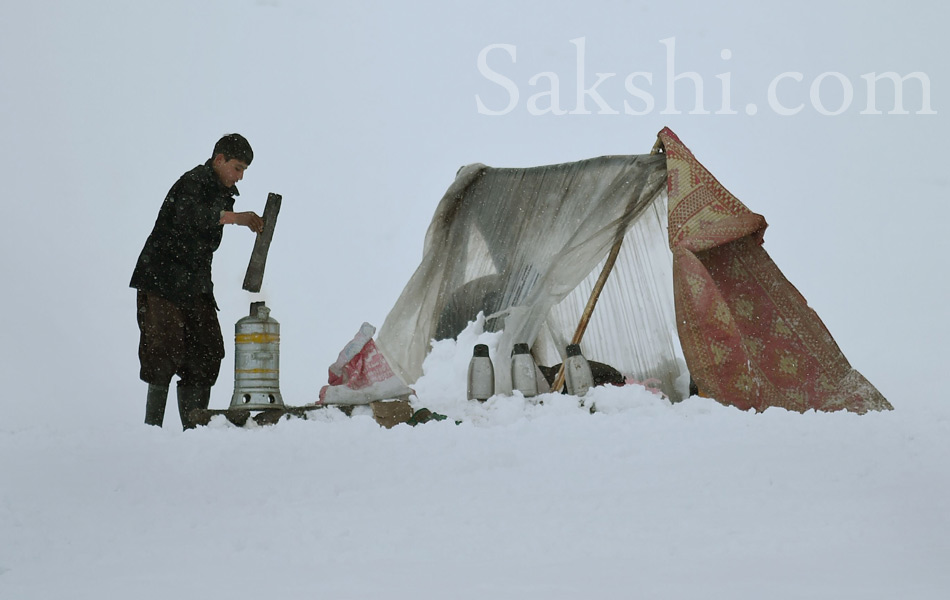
(360,114)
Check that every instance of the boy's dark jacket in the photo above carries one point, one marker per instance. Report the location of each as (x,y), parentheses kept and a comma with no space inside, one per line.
(176,260)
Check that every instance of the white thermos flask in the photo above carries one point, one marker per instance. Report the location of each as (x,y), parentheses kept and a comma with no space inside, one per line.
(481,375)
(577,373)
(523,377)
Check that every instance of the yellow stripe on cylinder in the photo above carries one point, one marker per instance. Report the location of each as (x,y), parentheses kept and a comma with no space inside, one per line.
(257,338)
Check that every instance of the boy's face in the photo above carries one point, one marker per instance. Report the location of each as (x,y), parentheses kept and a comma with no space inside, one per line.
(229,171)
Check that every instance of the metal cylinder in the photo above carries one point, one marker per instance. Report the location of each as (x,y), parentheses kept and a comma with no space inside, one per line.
(481,375)
(577,372)
(257,360)
(523,369)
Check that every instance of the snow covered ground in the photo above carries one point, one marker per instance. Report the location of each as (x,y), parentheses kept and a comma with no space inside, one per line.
(360,114)
(642,499)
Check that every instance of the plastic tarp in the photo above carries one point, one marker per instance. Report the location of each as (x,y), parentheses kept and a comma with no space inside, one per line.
(525,246)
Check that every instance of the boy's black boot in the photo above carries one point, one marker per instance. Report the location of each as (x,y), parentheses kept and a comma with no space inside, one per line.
(190,398)
(155,404)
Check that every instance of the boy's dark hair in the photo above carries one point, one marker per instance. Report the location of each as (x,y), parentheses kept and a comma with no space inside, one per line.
(233,145)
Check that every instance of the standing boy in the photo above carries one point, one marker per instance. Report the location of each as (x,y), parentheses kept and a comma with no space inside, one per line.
(177,314)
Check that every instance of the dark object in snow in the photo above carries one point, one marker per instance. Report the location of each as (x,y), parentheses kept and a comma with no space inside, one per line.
(270,416)
(388,414)
(603,374)
(424,415)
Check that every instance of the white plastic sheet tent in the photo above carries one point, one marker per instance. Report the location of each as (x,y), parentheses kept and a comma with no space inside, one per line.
(525,247)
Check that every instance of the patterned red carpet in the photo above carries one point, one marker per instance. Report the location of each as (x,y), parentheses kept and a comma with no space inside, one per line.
(749,337)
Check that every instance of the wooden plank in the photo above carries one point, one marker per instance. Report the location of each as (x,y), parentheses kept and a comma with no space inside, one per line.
(255,268)
(388,414)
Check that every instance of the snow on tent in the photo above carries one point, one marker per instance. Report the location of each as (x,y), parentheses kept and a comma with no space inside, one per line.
(669,262)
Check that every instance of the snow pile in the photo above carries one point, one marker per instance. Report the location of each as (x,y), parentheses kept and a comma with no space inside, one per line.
(442,389)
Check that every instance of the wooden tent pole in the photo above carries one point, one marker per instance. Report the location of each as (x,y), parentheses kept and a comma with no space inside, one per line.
(589,309)
(598,288)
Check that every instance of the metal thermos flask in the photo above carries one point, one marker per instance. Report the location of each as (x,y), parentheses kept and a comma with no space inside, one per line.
(523,376)
(577,373)
(481,375)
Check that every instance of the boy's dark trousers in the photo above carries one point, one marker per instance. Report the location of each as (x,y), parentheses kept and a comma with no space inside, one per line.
(178,339)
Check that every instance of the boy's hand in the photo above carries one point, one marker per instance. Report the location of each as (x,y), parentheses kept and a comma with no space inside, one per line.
(248,219)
